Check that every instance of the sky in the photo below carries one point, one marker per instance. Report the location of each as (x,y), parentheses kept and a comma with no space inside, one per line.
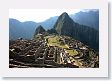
(38,15)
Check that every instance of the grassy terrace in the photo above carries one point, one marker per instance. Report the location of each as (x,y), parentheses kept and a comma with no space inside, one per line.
(72,52)
(54,41)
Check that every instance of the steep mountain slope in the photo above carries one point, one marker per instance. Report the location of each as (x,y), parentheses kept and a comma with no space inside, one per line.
(88,18)
(66,26)
(15,29)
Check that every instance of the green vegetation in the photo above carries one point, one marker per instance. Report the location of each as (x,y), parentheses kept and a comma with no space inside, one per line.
(54,41)
(72,52)
(63,46)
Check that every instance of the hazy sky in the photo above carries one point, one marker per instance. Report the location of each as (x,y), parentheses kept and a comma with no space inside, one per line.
(38,15)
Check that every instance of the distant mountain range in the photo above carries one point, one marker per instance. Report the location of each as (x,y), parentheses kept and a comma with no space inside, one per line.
(19,29)
(26,29)
(90,18)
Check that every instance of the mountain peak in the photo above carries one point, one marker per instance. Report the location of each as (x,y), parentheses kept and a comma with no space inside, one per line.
(64,15)
(39,30)
(63,22)
(40,27)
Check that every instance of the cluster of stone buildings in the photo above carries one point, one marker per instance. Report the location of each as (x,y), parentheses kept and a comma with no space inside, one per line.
(33,53)
(36,53)
(86,56)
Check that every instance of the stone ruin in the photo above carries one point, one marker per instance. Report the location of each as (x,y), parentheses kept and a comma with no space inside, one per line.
(31,53)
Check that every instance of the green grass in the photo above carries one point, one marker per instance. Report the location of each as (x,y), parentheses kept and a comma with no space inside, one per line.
(72,52)
(54,41)
(76,62)
(63,46)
